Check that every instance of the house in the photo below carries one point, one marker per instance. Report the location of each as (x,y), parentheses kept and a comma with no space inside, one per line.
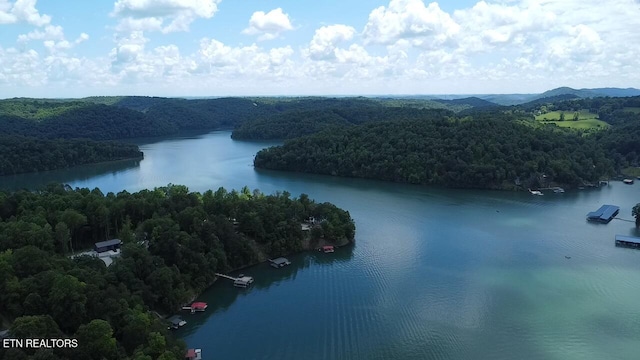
(109,245)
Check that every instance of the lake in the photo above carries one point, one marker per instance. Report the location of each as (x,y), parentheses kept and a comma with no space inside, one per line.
(434,273)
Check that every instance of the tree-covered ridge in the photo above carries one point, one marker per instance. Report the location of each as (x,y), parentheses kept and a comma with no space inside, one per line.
(188,236)
(20,154)
(469,153)
(293,124)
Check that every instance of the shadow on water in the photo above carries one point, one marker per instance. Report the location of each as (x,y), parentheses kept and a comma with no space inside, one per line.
(65,176)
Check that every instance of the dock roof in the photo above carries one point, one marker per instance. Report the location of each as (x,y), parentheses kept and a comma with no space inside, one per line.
(280,261)
(626,238)
(604,213)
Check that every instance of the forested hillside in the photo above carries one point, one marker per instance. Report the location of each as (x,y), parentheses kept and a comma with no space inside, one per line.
(20,154)
(469,153)
(292,124)
(47,294)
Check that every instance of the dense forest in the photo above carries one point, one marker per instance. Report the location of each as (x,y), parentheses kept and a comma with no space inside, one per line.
(466,153)
(174,242)
(20,154)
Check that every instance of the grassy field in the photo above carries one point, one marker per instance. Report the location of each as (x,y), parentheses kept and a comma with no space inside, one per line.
(586,120)
(631,171)
(632,109)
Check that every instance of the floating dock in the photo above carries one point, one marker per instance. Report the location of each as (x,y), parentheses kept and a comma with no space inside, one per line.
(604,214)
(279,262)
(242,281)
(628,241)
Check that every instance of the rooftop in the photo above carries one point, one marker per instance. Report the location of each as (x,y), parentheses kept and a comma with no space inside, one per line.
(109,243)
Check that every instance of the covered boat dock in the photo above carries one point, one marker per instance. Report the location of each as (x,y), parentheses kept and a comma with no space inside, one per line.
(604,214)
(628,241)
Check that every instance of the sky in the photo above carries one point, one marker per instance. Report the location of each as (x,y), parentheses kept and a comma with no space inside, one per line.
(78,48)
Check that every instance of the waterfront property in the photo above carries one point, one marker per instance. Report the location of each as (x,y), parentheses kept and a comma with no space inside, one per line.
(604,214)
(279,262)
(628,241)
(241,281)
(109,245)
(176,322)
(196,306)
(328,249)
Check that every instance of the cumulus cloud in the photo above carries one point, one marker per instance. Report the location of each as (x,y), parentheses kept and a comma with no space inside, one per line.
(268,25)
(425,26)
(162,15)
(22,11)
(326,39)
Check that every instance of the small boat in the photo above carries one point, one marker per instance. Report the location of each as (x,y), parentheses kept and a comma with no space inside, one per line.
(536,192)
(558,190)
(567,257)
(628,181)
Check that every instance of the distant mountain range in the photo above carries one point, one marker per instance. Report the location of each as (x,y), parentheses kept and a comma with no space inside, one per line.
(561,93)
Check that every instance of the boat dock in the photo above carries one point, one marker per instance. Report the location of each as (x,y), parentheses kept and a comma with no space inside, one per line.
(628,241)
(604,214)
(242,281)
(279,262)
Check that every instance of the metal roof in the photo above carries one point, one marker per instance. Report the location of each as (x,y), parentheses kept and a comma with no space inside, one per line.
(108,243)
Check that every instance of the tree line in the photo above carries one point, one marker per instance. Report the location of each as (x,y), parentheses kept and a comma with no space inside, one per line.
(20,154)
(174,242)
(480,152)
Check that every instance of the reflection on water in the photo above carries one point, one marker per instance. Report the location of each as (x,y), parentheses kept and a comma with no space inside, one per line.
(68,176)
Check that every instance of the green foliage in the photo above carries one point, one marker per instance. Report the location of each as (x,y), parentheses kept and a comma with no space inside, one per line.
(20,154)
(480,153)
(635,212)
(190,236)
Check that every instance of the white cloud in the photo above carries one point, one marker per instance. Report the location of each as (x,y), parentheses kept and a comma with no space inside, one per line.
(326,39)
(51,32)
(425,26)
(270,25)
(162,15)
(22,11)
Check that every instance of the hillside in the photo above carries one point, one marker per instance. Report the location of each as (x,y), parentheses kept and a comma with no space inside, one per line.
(480,153)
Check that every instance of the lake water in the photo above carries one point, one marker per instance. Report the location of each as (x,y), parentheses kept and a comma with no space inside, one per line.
(434,273)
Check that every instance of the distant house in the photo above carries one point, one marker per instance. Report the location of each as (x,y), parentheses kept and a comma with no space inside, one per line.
(175,322)
(109,245)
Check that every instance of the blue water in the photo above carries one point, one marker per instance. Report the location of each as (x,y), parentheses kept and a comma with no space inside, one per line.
(434,273)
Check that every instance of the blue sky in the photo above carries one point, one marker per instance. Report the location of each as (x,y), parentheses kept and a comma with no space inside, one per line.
(53,48)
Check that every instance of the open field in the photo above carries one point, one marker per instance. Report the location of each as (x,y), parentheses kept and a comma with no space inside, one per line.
(631,171)
(632,109)
(586,120)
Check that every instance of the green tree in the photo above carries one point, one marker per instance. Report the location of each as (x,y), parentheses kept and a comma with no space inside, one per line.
(576,116)
(38,326)
(96,341)
(68,302)
(561,116)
